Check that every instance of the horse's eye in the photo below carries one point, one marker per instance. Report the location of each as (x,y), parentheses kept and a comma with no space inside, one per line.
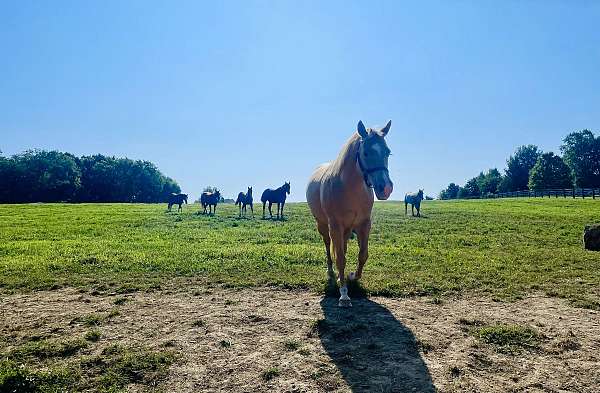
(366,154)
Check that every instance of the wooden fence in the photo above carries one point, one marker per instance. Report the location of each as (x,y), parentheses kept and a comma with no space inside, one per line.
(556,193)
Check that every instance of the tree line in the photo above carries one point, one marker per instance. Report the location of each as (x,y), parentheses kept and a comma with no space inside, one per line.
(529,168)
(53,176)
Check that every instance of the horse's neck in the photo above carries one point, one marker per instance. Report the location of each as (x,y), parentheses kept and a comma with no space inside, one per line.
(346,166)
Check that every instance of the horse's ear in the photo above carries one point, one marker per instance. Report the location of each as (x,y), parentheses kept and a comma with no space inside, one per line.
(362,131)
(384,131)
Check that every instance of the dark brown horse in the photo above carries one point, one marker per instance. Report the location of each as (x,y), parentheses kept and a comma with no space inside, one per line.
(340,197)
(277,196)
(210,199)
(177,199)
(245,200)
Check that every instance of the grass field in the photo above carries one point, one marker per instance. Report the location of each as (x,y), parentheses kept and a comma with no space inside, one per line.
(118,297)
(504,248)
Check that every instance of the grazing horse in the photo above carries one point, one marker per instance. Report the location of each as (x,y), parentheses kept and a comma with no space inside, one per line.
(177,199)
(210,199)
(340,197)
(275,196)
(414,199)
(244,200)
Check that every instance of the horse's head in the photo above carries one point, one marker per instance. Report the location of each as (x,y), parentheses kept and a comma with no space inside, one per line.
(286,187)
(420,194)
(249,190)
(185,198)
(373,159)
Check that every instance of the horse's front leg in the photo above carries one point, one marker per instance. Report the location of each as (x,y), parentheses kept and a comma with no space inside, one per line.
(252,210)
(412,208)
(282,205)
(362,232)
(270,211)
(336,234)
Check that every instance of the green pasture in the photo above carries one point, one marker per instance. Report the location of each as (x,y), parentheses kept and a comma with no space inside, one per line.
(504,248)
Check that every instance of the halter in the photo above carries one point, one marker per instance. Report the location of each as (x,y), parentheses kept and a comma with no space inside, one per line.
(367,171)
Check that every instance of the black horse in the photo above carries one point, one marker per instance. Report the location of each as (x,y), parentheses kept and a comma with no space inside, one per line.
(275,196)
(177,199)
(244,200)
(210,199)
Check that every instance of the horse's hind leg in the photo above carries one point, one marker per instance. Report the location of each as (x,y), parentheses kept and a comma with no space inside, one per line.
(363,247)
(405,208)
(324,231)
(412,207)
(264,203)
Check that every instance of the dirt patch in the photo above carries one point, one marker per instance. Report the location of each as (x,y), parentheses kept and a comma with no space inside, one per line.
(295,341)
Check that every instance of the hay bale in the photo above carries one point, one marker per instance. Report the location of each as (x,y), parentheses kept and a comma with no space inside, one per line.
(591,237)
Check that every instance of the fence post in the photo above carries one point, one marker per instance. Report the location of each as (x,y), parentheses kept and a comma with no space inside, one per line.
(593,193)
(583,193)
(573,190)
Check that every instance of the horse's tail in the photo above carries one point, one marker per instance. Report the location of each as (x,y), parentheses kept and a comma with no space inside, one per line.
(238,201)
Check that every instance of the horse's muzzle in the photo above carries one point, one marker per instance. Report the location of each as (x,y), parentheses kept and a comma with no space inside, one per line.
(383,193)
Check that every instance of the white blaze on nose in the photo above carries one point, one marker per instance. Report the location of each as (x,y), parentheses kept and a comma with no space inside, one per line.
(377,149)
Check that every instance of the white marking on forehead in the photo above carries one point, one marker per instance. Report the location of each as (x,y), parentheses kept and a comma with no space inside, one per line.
(377,147)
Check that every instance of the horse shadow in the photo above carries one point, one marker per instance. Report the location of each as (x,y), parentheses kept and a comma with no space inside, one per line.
(371,348)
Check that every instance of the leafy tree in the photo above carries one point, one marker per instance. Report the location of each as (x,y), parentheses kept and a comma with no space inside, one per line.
(518,167)
(471,189)
(451,192)
(41,176)
(505,184)
(550,171)
(488,183)
(581,152)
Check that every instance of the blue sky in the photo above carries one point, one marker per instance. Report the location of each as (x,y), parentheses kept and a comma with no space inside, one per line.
(258,92)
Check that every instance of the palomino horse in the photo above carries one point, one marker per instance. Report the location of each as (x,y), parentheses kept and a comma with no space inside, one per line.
(414,199)
(210,199)
(177,199)
(277,196)
(340,197)
(244,200)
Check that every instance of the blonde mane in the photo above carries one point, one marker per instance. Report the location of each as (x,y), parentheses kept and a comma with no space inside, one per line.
(347,154)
